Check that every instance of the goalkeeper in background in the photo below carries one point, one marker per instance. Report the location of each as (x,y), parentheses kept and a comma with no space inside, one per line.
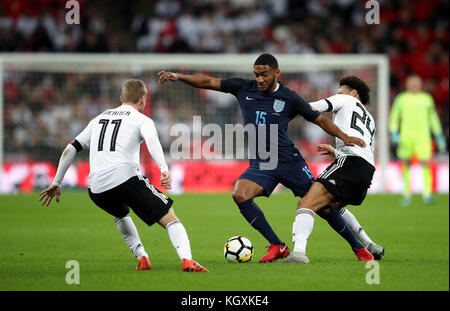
(413,118)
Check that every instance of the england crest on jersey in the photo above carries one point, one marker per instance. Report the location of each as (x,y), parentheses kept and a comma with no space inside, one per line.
(278,105)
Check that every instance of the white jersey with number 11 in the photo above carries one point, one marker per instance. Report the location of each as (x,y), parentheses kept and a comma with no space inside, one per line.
(114,138)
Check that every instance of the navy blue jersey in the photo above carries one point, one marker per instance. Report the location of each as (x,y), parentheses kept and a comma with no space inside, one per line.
(278,107)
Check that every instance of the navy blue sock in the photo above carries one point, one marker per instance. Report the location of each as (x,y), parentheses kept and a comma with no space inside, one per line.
(255,217)
(337,222)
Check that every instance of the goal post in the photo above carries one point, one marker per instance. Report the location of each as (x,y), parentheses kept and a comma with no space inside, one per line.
(87,83)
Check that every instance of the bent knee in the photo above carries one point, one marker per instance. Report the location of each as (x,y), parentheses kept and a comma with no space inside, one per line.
(240,197)
(323,212)
(306,204)
(168,218)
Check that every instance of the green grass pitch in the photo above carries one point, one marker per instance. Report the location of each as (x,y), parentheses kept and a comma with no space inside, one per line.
(37,242)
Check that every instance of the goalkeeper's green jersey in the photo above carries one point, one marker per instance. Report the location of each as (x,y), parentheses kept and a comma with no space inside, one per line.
(414,115)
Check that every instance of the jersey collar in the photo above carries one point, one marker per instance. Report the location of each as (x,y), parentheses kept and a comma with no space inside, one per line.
(127,107)
(276,89)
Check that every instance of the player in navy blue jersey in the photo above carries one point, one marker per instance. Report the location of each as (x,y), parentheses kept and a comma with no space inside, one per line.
(266,103)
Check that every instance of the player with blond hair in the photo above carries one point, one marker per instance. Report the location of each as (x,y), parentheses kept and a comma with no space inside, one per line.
(114,138)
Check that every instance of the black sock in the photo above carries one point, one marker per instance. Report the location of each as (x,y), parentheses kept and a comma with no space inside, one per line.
(255,217)
(337,222)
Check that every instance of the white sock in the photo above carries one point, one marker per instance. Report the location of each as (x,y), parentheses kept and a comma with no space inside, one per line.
(302,228)
(179,238)
(130,235)
(355,227)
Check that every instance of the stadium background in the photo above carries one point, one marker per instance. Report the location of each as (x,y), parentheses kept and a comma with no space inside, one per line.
(42,112)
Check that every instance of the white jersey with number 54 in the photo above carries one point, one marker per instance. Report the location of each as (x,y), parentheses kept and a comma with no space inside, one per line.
(354,120)
(114,138)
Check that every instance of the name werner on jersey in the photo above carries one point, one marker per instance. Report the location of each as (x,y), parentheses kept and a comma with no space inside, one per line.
(116,113)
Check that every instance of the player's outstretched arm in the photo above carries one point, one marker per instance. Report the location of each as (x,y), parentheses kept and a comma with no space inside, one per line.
(54,190)
(335,131)
(199,81)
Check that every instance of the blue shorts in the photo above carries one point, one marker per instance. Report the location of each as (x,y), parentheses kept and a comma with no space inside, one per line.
(293,175)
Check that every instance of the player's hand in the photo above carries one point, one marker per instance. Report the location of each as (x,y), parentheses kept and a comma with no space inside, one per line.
(441,142)
(351,141)
(47,195)
(395,137)
(166,180)
(326,149)
(165,76)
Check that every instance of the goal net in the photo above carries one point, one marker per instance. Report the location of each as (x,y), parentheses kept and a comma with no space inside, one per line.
(47,99)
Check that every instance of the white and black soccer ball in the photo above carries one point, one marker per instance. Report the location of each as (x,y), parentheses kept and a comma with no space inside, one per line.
(238,249)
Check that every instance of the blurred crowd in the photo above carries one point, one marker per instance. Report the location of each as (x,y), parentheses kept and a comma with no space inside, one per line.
(414,34)
(45,110)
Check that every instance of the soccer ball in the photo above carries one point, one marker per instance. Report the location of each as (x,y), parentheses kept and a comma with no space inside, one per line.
(238,249)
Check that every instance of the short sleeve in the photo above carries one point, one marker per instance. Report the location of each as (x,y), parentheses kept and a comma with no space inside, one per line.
(303,108)
(233,85)
(338,100)
(332,103)
(84,138)
(323,105)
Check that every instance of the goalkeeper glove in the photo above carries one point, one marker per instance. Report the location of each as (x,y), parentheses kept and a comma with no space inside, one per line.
(441,142)
(395,137)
